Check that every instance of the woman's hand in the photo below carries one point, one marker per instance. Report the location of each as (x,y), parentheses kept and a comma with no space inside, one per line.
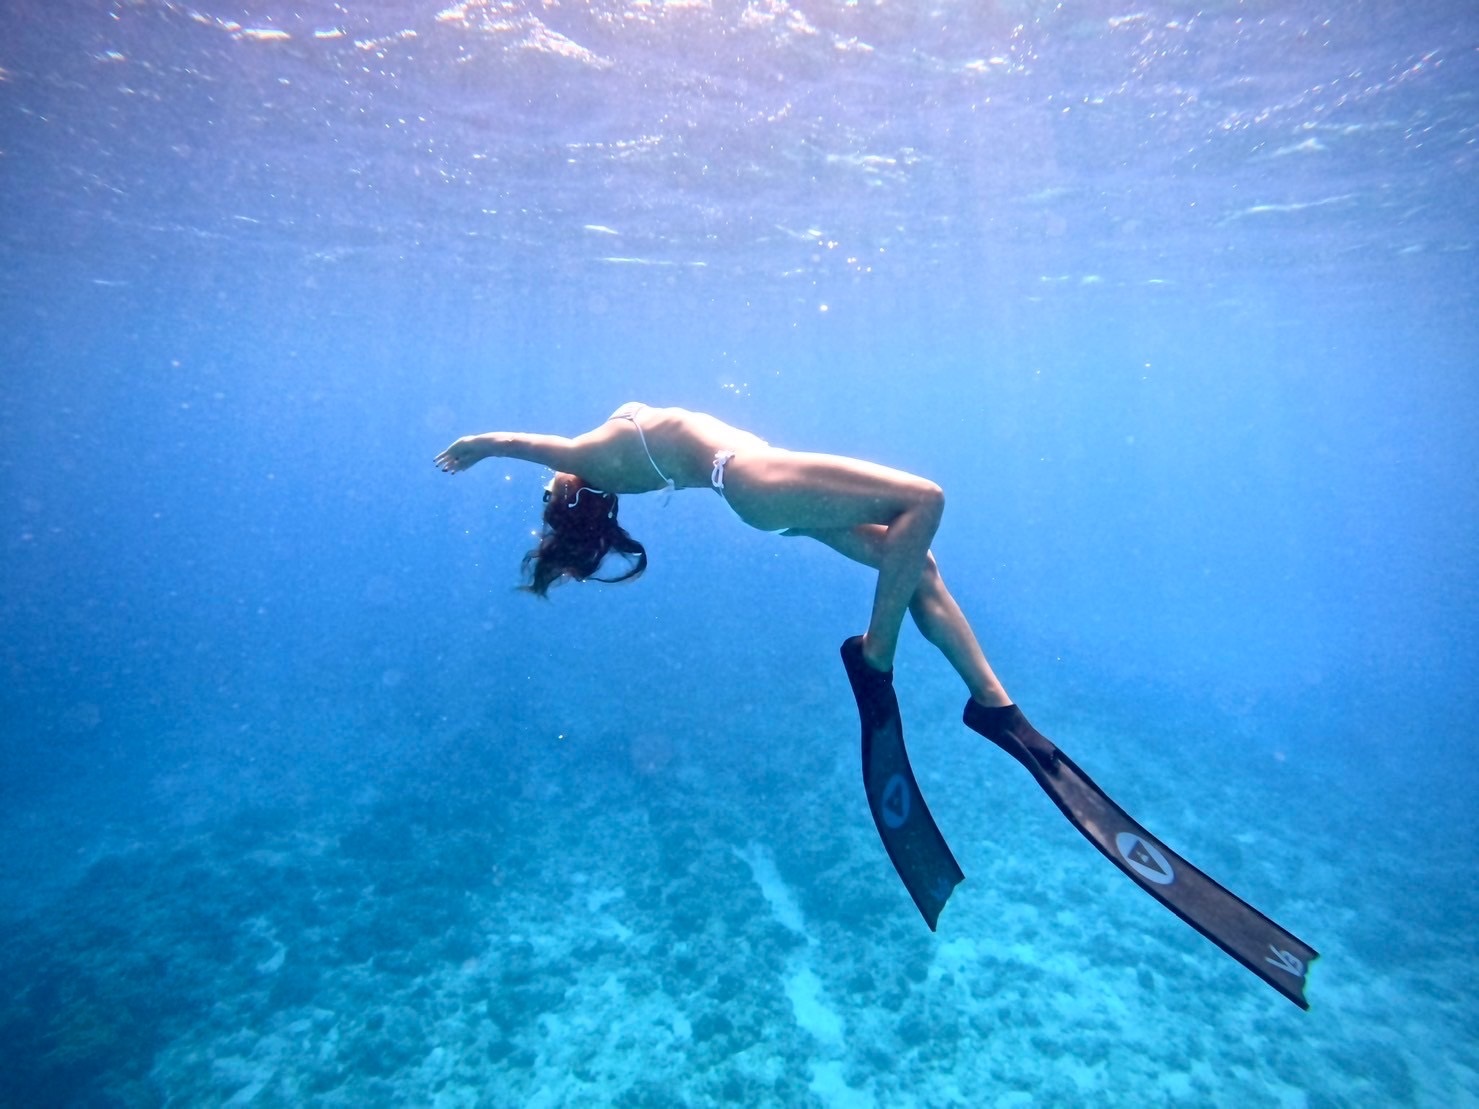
(463,453)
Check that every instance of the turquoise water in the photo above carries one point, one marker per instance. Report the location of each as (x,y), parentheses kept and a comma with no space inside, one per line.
(302,803)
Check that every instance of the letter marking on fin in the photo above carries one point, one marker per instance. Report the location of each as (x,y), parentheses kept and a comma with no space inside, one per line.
(1286,961)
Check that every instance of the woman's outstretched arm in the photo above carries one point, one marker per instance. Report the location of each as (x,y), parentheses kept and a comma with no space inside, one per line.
(555,451)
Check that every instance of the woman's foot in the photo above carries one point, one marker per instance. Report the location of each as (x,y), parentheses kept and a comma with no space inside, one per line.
(870,655)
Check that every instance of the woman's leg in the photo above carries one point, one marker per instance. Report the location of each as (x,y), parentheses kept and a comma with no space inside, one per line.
(775,489)
(935,612)
(903,556)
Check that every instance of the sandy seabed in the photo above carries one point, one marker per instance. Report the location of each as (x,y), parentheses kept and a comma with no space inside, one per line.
(599,923)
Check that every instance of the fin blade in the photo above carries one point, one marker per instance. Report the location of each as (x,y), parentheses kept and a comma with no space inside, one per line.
(1270,951)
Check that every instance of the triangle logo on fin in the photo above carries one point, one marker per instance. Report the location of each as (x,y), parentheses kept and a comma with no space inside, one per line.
(894,804)
(1144,858)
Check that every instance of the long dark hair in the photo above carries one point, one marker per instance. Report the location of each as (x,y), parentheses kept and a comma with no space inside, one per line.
(580,530)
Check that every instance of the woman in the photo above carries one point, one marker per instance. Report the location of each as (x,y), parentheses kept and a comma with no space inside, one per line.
(880,517)
(885,519)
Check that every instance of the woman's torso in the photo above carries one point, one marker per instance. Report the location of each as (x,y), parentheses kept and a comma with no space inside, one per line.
(681,443)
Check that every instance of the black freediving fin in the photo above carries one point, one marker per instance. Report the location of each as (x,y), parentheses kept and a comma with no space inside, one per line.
(1277,956)
(914,844)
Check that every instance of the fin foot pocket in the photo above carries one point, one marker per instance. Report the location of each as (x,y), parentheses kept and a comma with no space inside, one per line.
(872,688)
(1006,727)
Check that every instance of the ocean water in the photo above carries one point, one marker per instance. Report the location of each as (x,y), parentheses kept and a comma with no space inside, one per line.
(302,803)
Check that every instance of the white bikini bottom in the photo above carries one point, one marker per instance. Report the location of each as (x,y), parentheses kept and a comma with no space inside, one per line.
(716,477)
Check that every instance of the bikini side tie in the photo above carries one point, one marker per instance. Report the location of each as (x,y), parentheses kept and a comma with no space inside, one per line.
(716,477)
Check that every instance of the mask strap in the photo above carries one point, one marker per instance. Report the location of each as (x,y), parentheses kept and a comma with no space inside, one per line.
(610,511)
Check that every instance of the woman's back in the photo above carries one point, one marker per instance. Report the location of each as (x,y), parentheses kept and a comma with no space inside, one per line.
(646,445)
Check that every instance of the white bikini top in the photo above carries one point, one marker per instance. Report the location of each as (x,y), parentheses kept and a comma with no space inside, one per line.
(629,411)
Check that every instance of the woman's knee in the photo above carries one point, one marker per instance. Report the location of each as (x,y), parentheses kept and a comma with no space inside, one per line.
(930,498)
(927,503)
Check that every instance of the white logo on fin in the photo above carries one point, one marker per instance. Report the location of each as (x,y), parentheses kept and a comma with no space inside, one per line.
(1145,858)
(894,804)
(1286,961)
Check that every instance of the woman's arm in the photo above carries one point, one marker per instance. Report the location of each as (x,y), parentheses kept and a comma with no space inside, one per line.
(555,451)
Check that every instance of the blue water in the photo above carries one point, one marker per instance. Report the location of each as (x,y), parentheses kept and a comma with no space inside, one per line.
(302,803)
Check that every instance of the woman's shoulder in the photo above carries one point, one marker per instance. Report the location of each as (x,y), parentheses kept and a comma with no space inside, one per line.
(652,413)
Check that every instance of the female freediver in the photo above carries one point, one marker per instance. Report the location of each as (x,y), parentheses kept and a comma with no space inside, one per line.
(878,516)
